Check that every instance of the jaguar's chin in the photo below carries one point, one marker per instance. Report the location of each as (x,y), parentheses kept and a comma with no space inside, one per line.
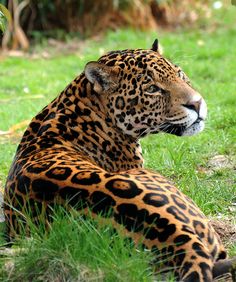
(195,128)
(181,130)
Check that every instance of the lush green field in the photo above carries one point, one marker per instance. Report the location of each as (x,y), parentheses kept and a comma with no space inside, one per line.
(202,166)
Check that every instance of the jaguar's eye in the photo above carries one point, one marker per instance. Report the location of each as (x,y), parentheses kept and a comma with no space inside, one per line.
(153,88)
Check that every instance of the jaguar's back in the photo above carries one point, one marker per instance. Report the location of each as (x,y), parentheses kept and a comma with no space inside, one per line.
(83,150)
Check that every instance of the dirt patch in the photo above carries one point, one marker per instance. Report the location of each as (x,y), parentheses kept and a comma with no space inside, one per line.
(217,163)
(226,229)
(221,161)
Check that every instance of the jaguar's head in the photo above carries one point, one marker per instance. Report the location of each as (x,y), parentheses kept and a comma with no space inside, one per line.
(142,93)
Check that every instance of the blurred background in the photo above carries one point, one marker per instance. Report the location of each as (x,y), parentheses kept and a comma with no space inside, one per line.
(34,22)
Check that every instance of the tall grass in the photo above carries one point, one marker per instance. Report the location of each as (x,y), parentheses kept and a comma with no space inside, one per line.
(77,249)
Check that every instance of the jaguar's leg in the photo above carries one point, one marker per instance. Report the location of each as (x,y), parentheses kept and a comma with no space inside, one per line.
(194,262)
(151,210)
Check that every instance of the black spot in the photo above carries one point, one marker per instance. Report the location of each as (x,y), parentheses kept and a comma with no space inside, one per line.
(163,255)
(122,65)
(129,126)
(154,187)
(123,188)
(193,276)
(102,203)
(43,129)
(10,192)
(155,218)
(60,106)
(140,64)
(74,88)
(177,214)
(186,267)
(68,136)
(167,252)
(111,63)
(50,116)
(182,239)
(28,150)
(210,237)
(18,202)
(111,156)
(29,138)
(178,201)
(95,137)
(75,197)
(222,255)
(179,257)
(199,250)
(156,199)
(192,212)
(214,252)
(62,128)
(59,173)
(105,144)
(131,224)
(23,184)
(44,189)
(206,271)
(85,112)
(86,178)
(62,119)
(51,134)
(188,229)
(144,178)
(132,92)
(151,233)
(131,112)
(198,225)
(133,102)
(120,117)
(131,210)
(169,230)
(35,126)
(47,142)
(42,115)
(40,167)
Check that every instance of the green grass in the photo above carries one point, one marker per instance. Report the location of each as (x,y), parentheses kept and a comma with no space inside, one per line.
(79,250)
(29,84)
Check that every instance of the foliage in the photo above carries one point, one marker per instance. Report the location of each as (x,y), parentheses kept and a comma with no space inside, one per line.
(4,17)
(91,17)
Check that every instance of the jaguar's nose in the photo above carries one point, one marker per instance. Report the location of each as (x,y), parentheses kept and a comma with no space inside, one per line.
(199,106)
(195,106)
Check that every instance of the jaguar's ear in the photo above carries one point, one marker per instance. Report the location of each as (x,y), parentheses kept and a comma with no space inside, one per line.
(103,77)
(155,46)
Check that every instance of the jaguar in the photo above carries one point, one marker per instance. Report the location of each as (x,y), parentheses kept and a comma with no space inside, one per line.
(82,151)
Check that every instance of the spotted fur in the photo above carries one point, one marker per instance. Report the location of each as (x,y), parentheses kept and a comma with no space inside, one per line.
(83,149)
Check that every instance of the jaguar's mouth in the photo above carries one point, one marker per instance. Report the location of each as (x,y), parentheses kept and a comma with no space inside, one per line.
(182,130)
(195,128)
